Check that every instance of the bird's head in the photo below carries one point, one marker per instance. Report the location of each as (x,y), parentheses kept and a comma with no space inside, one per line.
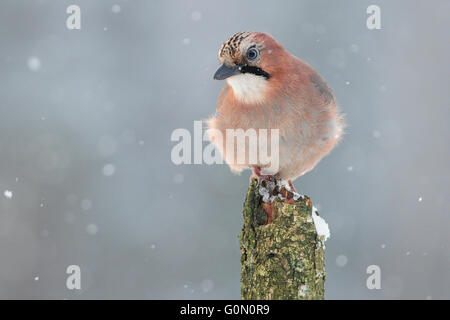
(250,61)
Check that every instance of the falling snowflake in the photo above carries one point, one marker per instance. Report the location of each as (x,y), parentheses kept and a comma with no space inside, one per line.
(116,8)
(92,229)
(207,285)
(108,170)
(196,16)
(376,134)
(178,178)
(8,194)
(341,260)
(86,204)
(34,64)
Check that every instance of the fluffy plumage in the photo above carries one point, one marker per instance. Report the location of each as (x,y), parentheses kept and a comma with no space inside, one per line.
(275,90)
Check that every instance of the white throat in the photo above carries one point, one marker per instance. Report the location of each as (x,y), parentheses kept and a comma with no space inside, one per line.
(248,87)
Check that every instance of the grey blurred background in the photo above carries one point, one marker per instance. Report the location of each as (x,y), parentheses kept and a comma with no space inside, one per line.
(85,171)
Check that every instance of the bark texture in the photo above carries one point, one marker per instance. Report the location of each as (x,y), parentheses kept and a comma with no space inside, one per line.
(283,259)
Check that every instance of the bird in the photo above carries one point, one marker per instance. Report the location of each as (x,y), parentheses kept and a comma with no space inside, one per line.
(269,88)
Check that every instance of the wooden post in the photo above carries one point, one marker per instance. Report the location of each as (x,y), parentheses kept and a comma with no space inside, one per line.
(283,259)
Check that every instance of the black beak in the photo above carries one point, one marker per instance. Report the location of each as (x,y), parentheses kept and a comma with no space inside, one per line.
(225,72)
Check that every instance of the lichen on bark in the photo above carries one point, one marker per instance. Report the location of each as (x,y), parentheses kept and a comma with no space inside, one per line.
(283,259)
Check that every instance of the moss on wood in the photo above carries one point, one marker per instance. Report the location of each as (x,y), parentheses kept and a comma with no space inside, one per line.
(285,258)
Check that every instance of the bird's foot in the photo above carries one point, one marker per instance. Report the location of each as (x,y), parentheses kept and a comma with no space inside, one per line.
(291,186)
(256,174)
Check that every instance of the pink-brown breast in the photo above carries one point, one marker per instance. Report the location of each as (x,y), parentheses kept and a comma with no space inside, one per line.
(300,104)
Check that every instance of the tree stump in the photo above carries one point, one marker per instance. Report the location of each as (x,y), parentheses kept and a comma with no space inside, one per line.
(283,259)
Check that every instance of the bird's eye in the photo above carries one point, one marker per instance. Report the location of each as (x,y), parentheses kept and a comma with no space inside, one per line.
(252,54)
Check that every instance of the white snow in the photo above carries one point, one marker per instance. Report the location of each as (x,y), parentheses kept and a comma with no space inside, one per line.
(178,178)
(297,196)
(34,63)
(92,229)
(376,134)
(196,16)
(420,199)
(321,225)
(108,170)
(116,8)
(86,204)
(8,194)
(266,192)
(207,285)
(341,260)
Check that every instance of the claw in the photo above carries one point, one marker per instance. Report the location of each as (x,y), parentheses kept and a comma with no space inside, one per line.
(258,175)
(291,186)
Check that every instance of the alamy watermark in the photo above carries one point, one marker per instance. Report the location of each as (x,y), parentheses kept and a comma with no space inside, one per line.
(73,21)
(374,280)
(73,281)
(374,20)
(239,147)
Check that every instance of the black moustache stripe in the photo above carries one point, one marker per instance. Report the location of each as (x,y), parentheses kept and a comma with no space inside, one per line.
(254,70)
